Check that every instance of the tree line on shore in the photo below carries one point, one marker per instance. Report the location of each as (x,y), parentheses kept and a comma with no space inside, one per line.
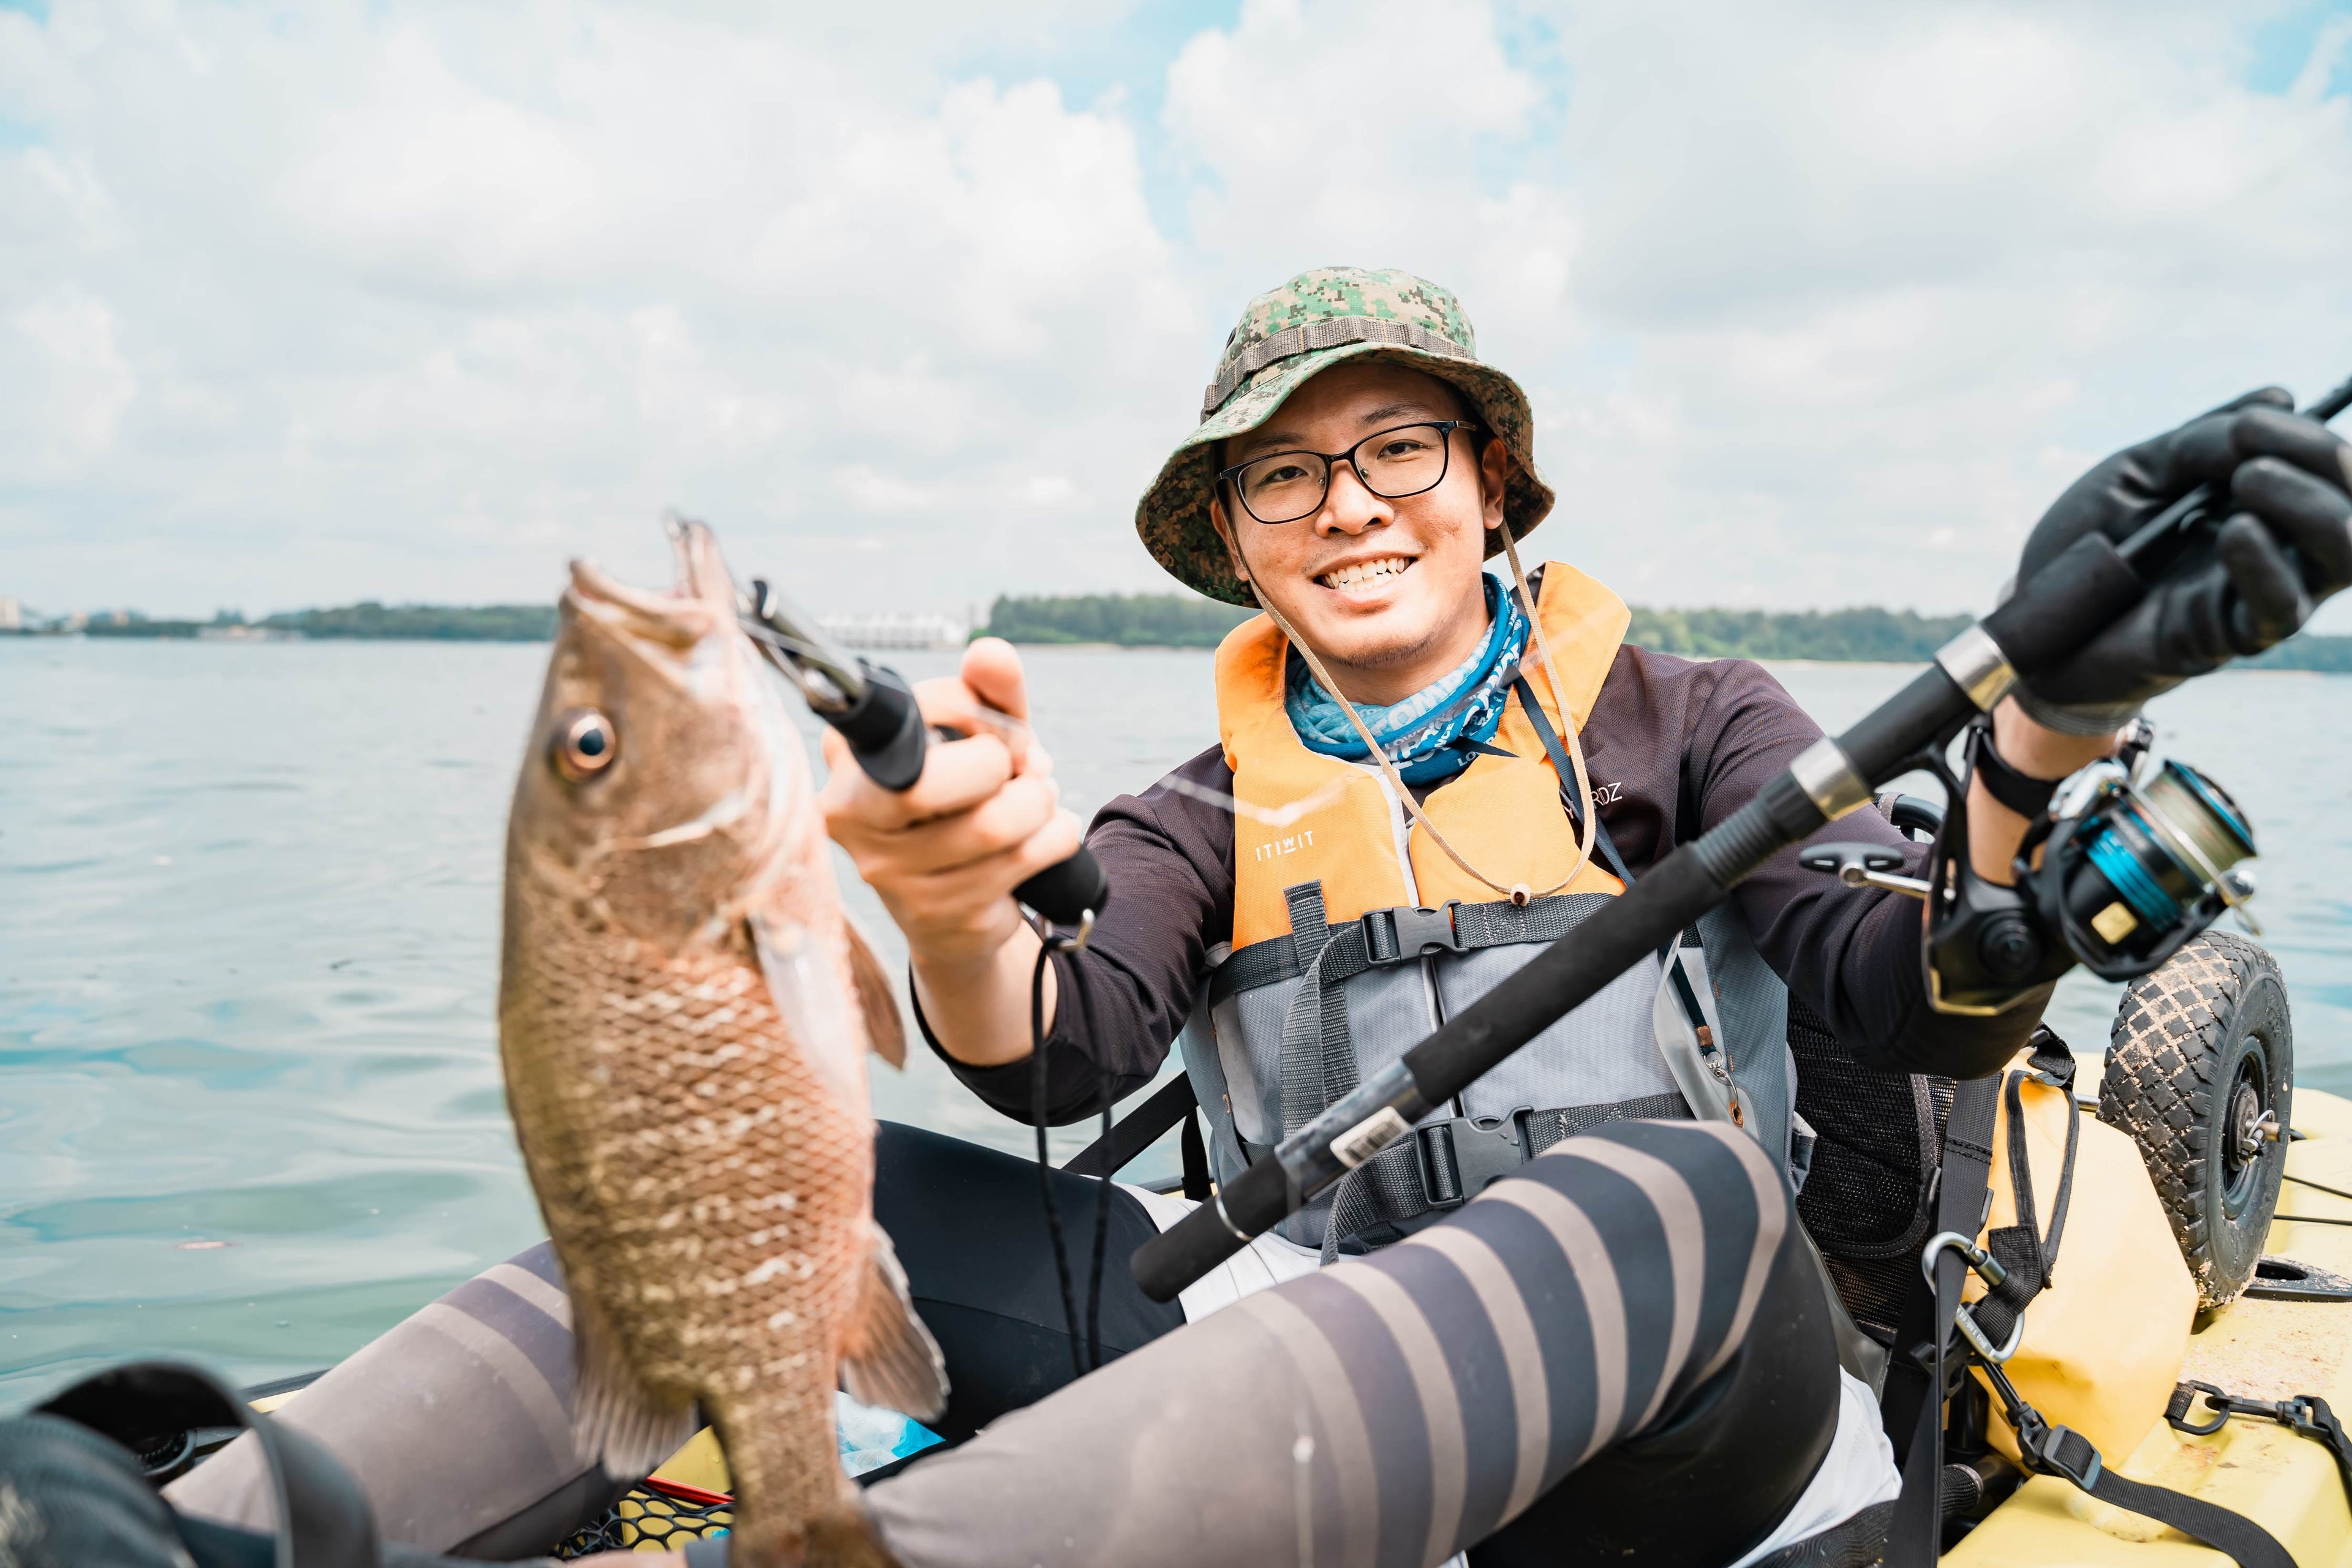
(1866,633)
(1186,620)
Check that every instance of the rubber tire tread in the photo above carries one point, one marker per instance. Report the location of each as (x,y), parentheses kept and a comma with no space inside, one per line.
(2172,1035)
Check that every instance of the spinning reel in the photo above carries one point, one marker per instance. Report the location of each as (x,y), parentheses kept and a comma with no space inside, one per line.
(2134,860)
(2132,870)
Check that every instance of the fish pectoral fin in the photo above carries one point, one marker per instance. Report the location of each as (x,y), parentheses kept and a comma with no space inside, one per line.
(615,1419)
(885,1029)
(806,989)
(887,1357)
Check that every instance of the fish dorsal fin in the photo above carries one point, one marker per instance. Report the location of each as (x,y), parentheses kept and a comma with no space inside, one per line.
(887,1357)
(885,1029)
(617,1420)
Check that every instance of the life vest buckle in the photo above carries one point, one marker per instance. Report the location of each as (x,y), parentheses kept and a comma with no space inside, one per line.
(1394,935)
(1459,1157)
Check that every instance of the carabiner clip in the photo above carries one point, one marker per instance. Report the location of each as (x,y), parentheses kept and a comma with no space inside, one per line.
(1987,1268)
(1966,1322)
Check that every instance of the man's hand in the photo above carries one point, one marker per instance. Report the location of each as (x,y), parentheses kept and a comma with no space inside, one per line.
(945,855)
(2282,482)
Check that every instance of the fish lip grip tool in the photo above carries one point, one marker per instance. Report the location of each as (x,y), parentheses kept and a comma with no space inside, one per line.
(873,709)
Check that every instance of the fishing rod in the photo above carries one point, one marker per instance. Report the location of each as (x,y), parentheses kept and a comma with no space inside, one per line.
(2086,589)
(871,707)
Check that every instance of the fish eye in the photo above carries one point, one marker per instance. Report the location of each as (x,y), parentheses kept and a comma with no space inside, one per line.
(584,744)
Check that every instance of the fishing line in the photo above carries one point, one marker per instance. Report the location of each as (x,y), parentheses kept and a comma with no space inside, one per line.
(1272,816)
(1086,1352)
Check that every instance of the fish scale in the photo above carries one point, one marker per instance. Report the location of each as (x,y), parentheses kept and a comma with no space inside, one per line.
(684,1012)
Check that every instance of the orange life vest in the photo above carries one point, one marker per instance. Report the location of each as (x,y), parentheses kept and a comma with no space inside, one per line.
(1503,813)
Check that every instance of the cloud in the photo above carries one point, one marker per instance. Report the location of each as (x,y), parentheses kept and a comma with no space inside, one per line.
(468,285)
(75,384)
(1866,288)
(311,303)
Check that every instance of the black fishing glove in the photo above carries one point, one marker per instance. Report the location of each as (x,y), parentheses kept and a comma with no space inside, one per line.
(2286,486)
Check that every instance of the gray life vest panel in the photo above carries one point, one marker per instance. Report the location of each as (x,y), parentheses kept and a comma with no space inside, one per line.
(1262,1058)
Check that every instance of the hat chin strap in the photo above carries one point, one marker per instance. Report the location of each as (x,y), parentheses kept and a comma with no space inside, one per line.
(1587,819)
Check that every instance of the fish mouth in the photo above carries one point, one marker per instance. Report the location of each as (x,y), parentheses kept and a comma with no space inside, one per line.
(700,602)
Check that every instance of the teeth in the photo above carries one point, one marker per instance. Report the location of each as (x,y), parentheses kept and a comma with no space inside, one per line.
(1365,572)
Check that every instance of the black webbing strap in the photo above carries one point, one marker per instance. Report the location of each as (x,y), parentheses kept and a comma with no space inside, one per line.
(1194,1153)
(1545,1128)
(1136,1131)
(2030,1259)
(1319,1056)
(2307,1415)
(1917,1376)
(2232,1534)
(324,1521)
(1401,935)
(1319,1066)
(2061,1451)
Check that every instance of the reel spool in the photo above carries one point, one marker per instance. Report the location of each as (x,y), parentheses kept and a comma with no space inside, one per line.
(2130,872)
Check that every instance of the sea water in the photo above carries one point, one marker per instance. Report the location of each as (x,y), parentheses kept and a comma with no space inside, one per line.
(249,1099)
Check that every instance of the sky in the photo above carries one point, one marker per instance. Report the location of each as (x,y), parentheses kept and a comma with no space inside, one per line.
(1818,304)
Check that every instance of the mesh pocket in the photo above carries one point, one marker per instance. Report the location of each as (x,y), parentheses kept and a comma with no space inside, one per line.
(657,1514)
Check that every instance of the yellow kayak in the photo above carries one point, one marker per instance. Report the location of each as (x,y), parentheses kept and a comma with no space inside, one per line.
(2259,1349)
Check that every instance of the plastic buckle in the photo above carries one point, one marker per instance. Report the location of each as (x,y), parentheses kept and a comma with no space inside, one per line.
(1479,1149)
(1391,936)
(2045,1442)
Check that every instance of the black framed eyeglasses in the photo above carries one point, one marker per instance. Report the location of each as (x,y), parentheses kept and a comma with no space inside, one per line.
(1400,461)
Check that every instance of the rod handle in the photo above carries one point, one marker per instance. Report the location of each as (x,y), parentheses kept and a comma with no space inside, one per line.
(1069,892)
(1200,1241)
(885,733)
(885,730)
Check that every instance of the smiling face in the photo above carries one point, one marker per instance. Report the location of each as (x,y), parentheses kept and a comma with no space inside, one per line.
(1387,592)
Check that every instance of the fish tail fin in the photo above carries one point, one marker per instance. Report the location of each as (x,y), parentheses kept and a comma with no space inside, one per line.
(878,1005)
(887,1357)
(615,1419)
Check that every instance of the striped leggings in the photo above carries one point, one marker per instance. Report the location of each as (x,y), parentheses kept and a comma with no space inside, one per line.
(1619,1353)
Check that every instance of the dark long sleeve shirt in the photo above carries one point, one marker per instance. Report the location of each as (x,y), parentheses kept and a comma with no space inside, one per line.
(1673,747)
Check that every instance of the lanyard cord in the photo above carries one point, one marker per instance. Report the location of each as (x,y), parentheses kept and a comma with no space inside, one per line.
(1086,1352)
(1517,893)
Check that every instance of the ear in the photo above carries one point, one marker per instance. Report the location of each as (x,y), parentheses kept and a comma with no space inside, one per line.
(1223,525)
(1494,475)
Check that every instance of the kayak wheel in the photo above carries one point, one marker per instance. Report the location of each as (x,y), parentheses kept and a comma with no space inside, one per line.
(2200,1073)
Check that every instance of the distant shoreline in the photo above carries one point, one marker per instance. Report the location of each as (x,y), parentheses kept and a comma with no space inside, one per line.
(1105,622)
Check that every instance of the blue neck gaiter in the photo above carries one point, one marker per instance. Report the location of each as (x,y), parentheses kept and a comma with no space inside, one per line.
(1426,734)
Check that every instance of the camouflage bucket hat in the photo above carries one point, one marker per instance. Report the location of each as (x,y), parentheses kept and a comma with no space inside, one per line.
(1305,327)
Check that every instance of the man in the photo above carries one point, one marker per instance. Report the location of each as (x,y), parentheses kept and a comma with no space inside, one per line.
(1401,732)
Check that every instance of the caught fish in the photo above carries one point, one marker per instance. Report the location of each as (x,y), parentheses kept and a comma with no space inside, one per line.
(684,1011)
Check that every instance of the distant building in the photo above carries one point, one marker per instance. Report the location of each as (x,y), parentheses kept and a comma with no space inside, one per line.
(74,621)
(895,629)
(12,613)
(238,631)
